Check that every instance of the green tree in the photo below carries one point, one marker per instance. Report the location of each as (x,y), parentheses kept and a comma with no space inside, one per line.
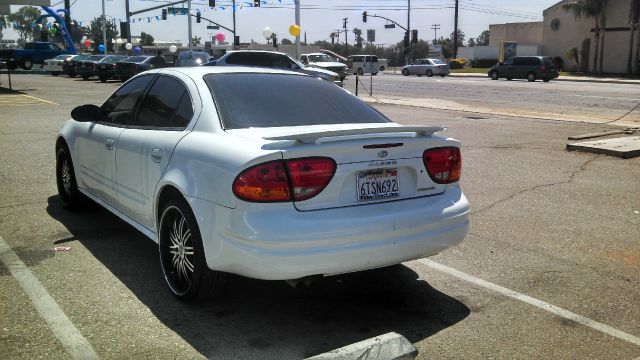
(196,40)
(483,38)
(594,9)
(359,39)
(286,41)
(25,17)
(3,24)
(471,42)
(461,37)
(95,32)
(146,39)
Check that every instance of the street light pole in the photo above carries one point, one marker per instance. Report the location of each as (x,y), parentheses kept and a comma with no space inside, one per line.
(406,57)
(234,23)
(297,2)
(190,36)
(455,33)
(104,29)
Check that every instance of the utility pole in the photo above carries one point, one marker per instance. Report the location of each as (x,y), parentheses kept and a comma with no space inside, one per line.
(126,4)
(104,29)
(435,28)
(189,12)
(234,24)
(406,56)
(67,14)
(455,34)
(297,3)
(346,43)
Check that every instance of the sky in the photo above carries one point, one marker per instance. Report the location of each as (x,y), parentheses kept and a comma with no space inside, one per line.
(318,18)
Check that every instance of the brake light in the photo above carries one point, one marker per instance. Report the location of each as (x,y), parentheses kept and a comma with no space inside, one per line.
(542,68)
(288,180)
(444,165)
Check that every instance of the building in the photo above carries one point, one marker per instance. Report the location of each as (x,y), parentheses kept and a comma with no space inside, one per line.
(571,40)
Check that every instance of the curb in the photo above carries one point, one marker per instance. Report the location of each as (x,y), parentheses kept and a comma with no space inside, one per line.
(389,346)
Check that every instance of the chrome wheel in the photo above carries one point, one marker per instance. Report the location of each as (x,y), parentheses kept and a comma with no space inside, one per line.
(177,250)
(66,177)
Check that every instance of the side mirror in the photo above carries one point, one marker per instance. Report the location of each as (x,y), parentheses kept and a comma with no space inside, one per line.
(87,113)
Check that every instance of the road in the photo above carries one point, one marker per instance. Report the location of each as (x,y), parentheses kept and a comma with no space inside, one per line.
(562,100)
(549,228)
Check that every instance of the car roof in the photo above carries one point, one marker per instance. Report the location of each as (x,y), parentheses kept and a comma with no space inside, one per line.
(256,51)
(316,53)
(200,71)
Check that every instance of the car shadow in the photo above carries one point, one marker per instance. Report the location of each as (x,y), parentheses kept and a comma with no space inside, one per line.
(266,319)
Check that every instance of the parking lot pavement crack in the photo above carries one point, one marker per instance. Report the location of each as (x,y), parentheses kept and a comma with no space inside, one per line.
(582,168)
(19,205)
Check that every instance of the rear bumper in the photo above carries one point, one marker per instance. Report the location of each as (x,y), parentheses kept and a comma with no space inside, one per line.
(278,242)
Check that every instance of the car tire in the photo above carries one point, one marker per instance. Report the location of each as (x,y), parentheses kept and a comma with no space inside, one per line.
(85,77)
(381,68)
(429,73)
(531,77)
(182,256)
(360,72)
(495,75)
(509,78)
(27,63)
(68,191)
(72,75)
(442,75)
(103,79)
(55,73)
(546,79)
(405,72)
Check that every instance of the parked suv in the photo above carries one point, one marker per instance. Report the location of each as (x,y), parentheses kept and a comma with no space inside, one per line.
(525,67)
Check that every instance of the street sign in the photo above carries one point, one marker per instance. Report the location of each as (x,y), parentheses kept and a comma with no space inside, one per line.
(371,35)
(213,27)
(390,26)
(178,11)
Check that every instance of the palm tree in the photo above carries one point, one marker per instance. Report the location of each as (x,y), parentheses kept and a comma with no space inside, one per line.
(634,14)
(592,9)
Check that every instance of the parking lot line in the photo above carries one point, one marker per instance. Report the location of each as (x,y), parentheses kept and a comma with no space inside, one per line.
(74,343)
(37,98)
(606,329)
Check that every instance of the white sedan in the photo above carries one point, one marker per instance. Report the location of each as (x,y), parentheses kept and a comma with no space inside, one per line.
(263,173)
(428,67)
(54,66)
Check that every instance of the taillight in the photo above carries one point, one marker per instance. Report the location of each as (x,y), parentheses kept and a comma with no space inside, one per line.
(309,176)
(542,68)
(444,165)
(287,180)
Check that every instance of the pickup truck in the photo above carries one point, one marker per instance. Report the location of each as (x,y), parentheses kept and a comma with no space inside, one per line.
(33,53)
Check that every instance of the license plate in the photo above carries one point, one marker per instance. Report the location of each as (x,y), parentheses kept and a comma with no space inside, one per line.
(378,184)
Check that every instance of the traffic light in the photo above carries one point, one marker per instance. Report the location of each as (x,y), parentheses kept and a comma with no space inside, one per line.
(164,14)
(124,29)
(212,3)
(414,38)
(406,39)
(364,16)
(198,17)
(256,3)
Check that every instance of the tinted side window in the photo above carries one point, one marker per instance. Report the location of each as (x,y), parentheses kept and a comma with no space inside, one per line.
(160,106)
(518,61)
(120,106)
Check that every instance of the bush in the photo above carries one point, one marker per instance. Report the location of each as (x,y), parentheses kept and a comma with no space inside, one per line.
(559,62)
(457,63)
(483,63)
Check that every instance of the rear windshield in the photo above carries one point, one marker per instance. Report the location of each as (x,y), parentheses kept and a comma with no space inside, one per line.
(137,59)
(271,100)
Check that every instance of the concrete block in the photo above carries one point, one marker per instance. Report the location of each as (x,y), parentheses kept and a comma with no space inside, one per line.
(624,147)
(389,346)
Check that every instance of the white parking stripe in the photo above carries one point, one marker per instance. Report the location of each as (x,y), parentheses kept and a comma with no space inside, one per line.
(74,343)
(606,329)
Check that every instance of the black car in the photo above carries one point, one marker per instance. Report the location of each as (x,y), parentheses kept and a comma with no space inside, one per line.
(85,67)
(69,65)
(105,69)
(137,64)
(525,67)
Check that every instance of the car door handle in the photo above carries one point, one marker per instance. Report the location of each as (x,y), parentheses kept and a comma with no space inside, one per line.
(109,144)
(156,155)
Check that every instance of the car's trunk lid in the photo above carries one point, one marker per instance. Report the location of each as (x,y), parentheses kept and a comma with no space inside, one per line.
(374,162)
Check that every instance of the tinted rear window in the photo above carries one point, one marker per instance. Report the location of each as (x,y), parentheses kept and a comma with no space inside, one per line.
(271,100)
(137,59)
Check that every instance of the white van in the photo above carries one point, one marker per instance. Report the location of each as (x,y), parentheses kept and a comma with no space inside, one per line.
(363,64)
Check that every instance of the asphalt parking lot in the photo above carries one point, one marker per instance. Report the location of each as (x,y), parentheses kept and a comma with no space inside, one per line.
(550,268)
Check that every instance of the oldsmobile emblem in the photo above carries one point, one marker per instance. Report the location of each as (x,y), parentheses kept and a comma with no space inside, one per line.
(383,154)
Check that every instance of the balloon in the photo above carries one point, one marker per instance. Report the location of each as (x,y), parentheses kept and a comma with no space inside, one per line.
(137,50)
(128,46)
(87,43)
(172,48)
(84,38)
(294,30)
(101,48)
(267,32)
(220,37)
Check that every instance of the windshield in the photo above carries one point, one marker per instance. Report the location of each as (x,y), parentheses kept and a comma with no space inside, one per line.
(60,57)
(319,58)
(137,59)
(95,57)
(112,59)
(247,100)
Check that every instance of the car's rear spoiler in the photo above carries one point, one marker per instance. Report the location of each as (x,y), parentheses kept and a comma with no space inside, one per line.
(314,136)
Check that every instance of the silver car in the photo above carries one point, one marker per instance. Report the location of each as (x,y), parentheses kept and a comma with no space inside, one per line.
(427,67)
